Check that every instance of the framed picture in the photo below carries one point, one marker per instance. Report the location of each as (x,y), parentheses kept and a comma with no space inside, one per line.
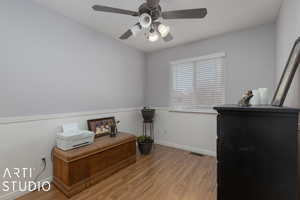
(101,127)
(288,75)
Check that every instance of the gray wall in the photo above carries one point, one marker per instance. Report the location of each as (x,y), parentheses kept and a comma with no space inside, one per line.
(288,30)
(50,64)
(250,63)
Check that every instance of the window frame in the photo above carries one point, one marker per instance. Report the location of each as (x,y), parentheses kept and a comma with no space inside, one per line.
(202,108)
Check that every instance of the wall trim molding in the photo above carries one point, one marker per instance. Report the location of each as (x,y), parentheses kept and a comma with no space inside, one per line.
(17,194)
(196,111)
(166,108)
(187,148)
(22,119)
(192,111)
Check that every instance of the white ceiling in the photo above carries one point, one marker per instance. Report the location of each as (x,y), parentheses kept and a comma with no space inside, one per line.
(223,16)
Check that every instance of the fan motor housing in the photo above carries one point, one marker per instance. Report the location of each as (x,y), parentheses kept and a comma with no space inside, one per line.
(155,12)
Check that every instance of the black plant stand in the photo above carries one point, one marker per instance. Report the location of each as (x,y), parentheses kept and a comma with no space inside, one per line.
(151,126)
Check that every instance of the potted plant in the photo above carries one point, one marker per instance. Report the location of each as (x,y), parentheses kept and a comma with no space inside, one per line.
(145,144)
(148,114)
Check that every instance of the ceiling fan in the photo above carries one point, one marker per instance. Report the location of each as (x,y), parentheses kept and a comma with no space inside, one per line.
(149,14)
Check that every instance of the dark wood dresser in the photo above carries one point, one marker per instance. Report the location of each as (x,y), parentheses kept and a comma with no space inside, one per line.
(257,153)
(78,169)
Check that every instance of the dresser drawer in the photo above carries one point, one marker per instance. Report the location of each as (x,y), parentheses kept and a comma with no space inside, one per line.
(257,153)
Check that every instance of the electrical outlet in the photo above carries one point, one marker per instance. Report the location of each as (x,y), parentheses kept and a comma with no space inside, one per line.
(32,186)
(44,161)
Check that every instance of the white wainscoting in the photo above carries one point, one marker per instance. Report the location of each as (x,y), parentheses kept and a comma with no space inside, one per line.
(191,131)
(194,131)
(25,140)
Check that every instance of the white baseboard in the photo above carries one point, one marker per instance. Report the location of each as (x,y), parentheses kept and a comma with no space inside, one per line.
(187,148)
(16,194)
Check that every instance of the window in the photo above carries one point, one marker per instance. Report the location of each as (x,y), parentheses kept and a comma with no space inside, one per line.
(198,82)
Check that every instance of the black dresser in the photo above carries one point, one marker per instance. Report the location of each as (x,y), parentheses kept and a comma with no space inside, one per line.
(257,153)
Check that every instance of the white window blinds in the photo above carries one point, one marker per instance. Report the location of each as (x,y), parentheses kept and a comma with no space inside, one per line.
(198,82)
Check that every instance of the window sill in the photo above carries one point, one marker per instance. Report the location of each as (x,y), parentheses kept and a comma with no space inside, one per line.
(200,111)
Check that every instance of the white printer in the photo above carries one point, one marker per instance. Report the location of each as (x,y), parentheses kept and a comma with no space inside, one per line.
(72,137)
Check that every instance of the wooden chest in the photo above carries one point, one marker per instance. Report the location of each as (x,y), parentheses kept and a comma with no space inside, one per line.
(78,169)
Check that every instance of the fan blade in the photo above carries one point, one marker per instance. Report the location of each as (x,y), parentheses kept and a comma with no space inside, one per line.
(115,10)
(168,38)
(126,35)
(185,14)
(153,3)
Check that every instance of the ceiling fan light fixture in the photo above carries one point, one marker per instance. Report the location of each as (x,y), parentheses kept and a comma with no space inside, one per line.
(149,14)
(145,20)
(163,30)
(153,36)
(136,29)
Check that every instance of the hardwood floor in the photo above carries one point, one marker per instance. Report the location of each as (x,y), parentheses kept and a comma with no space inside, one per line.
(167,174)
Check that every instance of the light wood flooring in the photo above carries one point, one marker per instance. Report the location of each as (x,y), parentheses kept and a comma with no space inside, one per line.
(167,174)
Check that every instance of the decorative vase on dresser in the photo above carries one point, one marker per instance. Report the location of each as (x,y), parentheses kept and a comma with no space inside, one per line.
(257,153)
